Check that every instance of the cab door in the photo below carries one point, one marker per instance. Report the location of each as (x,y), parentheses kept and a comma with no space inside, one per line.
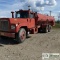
(31,20)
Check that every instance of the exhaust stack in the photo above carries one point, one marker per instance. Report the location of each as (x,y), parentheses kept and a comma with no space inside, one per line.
(12,14)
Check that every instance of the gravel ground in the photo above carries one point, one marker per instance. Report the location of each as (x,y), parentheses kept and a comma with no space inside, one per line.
(32,48)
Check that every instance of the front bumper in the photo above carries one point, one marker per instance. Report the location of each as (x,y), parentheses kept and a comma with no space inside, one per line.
(12,35)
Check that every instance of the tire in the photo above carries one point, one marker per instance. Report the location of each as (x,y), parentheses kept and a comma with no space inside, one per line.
(46,29)
(21,36)
(49,28)
(27,34)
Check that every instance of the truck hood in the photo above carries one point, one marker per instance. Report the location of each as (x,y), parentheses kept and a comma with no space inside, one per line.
(15,20)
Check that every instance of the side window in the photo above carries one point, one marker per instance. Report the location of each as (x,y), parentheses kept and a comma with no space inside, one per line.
(31,15)
(18,15)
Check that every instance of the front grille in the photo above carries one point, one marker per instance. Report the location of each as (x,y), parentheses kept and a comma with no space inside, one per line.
(4,25)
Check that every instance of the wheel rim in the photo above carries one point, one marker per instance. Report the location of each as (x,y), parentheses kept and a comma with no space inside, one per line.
(46,29)
(22,35)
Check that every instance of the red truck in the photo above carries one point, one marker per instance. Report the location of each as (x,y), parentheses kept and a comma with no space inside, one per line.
(25,22)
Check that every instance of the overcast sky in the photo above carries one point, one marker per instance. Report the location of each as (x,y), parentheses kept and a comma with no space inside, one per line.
(42,6)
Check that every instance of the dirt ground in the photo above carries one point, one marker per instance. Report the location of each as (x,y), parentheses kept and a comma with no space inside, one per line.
(32,48)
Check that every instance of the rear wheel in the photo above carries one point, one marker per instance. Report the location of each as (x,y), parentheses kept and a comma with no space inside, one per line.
(21,36)
(46,29)
(49,28)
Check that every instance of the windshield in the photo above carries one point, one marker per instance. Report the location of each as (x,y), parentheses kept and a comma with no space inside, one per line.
(22,15)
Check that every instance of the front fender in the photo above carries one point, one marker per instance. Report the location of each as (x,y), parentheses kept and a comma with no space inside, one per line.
(18,26)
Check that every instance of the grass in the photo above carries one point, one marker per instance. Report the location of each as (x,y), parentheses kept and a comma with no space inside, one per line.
(57,25)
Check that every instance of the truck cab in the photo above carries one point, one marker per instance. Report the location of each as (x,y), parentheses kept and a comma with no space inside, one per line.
(19,26)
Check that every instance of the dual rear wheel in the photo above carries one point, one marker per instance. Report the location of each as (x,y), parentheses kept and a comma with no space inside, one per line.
(47,29)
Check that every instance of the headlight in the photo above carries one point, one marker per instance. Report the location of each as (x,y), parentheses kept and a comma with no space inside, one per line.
(13,27)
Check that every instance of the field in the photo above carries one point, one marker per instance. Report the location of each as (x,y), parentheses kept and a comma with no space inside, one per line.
(32,48)
(57,25)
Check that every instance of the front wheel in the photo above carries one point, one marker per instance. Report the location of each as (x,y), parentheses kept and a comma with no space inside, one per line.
(21,36)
